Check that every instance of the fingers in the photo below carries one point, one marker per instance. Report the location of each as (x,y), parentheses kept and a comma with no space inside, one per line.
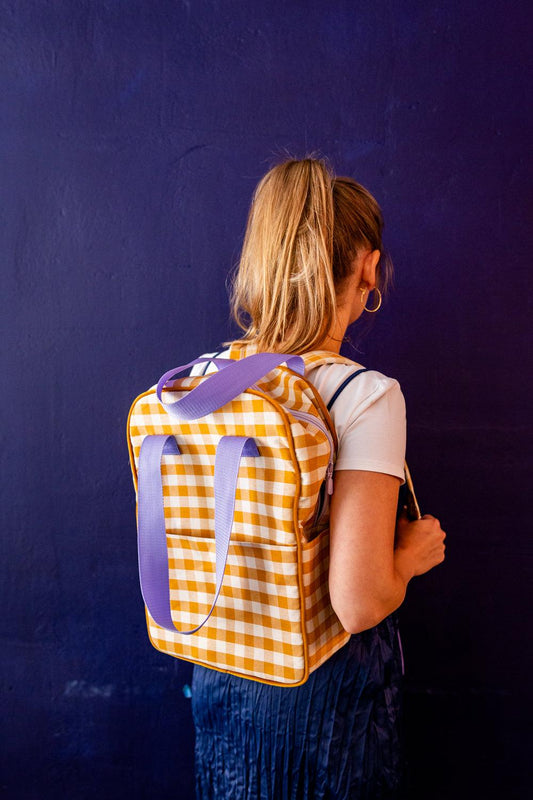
(435,520)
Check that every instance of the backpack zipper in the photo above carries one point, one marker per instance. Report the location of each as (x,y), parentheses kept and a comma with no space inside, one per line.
(304,415)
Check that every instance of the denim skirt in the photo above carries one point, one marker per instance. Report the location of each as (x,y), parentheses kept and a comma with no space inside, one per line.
(339,736)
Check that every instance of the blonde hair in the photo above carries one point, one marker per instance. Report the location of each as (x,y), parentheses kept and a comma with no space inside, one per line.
(305,227)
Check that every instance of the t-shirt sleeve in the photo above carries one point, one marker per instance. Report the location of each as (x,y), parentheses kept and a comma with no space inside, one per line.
(372,431)
(206,367)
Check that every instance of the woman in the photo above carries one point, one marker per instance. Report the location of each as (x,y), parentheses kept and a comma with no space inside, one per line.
(312,256)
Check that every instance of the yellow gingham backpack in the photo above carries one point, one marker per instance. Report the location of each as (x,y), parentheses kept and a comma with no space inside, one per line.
(233,557)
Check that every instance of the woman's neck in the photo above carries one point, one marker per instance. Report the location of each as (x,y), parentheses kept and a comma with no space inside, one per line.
(330,344)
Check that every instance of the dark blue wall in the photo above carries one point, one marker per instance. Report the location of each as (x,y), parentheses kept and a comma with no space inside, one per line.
(133,134)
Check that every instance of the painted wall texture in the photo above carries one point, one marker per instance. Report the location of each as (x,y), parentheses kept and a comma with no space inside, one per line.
(133,134)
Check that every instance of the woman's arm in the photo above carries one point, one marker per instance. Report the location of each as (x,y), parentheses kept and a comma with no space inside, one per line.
(367,577)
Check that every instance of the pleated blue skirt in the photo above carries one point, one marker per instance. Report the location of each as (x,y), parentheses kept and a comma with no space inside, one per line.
(339,736)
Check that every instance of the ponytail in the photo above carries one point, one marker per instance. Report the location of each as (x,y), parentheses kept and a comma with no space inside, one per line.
(296,255)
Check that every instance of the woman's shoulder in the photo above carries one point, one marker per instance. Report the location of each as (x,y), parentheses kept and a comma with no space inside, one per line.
(369,415)
(367,385)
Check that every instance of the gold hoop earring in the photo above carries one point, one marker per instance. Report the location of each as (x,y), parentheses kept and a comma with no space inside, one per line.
(373,310)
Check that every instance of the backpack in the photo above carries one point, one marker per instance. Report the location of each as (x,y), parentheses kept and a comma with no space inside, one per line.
(232,472)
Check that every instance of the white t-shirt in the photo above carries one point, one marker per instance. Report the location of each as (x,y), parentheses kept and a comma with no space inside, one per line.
(369,416)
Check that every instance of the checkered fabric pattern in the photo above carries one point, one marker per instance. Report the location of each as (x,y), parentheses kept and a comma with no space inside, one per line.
(273,621)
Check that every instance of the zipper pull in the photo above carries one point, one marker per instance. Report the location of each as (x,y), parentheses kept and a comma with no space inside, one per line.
(329,478)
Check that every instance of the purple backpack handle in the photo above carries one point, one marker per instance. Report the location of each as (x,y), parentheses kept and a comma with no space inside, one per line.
(233,378)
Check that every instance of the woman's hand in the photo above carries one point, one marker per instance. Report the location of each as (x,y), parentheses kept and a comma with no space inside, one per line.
(422,542)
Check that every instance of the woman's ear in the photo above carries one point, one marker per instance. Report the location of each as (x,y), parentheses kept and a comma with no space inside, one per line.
(368,273)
